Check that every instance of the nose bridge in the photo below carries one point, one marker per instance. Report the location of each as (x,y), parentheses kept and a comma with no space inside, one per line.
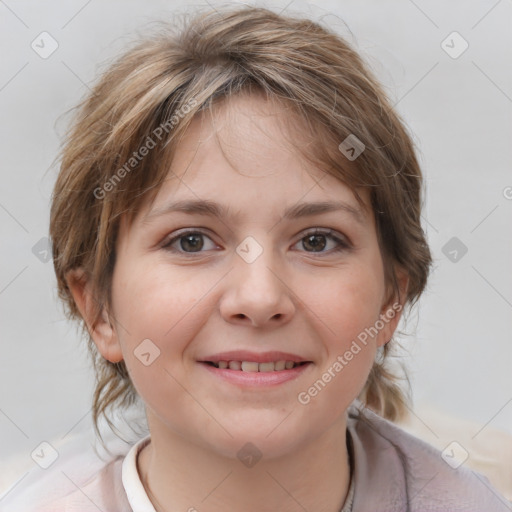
(258,274)
(254,264)
(256,292)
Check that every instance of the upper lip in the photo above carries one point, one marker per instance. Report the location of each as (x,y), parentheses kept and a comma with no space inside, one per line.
(244,355)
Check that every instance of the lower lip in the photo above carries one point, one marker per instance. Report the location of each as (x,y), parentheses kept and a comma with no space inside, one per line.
(258,379)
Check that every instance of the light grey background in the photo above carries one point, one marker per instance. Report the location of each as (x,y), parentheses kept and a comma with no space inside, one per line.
(459,109)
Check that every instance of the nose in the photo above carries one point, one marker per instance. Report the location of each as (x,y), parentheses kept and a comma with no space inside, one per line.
(257,295)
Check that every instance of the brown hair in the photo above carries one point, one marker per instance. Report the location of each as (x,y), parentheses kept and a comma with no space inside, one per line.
(148,97)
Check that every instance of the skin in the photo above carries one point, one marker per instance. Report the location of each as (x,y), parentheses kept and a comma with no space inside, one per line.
(291,298)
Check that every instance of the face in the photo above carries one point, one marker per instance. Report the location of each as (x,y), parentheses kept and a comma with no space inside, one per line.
(261,278)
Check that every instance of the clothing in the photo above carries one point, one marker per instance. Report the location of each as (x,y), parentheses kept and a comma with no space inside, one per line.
(136,494)
(392,471)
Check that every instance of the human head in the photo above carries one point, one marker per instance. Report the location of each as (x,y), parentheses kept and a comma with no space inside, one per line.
(148,98)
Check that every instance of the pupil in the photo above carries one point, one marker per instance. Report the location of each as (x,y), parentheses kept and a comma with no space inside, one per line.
(313,241)
(193,242)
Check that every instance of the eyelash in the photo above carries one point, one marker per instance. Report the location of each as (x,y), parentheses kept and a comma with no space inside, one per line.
(342,245)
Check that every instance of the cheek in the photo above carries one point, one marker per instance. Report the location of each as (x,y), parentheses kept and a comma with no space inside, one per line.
(154,302)
(166,307)
(157,313)
(350,351)
(347,305)
(346,301)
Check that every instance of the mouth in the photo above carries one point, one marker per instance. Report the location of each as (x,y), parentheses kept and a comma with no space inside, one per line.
(250,369)
(254,366)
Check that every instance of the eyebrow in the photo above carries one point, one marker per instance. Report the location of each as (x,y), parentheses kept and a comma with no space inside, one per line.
(213,209)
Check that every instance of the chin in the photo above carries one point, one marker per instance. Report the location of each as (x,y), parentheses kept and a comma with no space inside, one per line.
(257,438)
(249,449)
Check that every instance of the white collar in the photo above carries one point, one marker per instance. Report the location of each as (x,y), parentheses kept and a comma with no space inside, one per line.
(135,492)
(137,496)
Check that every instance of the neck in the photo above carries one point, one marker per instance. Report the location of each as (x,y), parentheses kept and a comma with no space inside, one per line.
(179,475)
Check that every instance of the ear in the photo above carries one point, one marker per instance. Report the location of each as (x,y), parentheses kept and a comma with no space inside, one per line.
(99,325)
(392,308)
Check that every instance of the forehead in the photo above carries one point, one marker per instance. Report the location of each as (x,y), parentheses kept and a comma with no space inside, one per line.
(245,152)
(253,135)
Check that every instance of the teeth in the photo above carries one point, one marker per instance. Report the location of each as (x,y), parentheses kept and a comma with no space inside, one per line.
(249,367)
(265,367)
(252,366)
(279,365)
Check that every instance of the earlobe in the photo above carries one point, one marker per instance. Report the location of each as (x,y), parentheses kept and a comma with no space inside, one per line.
(95,316)
(389,319)
(392,310)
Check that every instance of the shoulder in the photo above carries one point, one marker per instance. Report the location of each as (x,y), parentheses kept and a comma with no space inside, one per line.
(75,483)
(101,491)
(397,471)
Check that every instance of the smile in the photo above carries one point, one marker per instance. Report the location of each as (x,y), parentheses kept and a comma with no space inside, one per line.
(251,374)
(253,366)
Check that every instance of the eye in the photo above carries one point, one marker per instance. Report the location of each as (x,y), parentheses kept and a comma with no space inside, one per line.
(189,242)
(317,240)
